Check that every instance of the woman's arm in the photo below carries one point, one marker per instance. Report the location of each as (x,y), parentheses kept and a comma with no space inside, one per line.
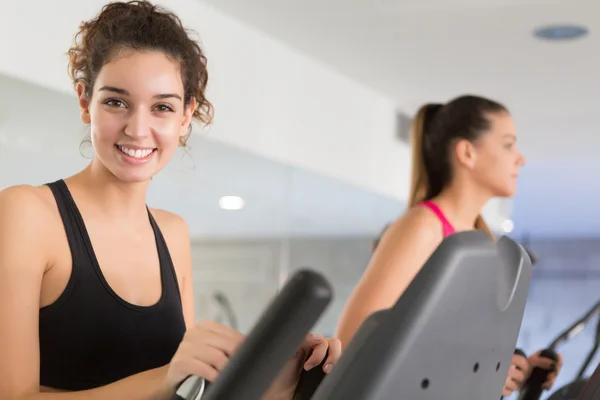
(402,252)
(25,222)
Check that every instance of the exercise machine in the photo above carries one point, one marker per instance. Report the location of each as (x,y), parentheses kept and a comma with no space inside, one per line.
(573,390)
(450,336)
(570,391)
(591,391)
(272,342)
(580,389)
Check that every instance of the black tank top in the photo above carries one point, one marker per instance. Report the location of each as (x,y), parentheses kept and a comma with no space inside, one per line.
(90,336)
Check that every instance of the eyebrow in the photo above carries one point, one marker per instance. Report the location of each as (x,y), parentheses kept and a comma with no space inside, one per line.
(126,93)
(510,135)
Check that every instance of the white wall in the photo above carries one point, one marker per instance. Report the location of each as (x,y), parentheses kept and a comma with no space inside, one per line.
(250,272)
(269,99)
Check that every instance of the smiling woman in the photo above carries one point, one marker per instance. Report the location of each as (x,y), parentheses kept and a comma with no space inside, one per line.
(153,116)
(96,288)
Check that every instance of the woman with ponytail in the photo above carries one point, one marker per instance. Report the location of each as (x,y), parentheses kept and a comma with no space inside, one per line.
(464,153)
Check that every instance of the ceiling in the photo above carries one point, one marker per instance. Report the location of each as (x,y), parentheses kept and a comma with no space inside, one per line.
(280,200)
(433,50)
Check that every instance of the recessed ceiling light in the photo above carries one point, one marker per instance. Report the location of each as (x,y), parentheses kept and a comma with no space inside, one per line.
(561,32)
(508,226)
(231,203)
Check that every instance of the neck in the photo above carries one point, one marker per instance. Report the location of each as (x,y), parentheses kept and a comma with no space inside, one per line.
(462,205)
(109,195)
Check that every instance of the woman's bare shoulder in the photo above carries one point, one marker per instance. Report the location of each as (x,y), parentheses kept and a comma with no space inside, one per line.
(28,202)
(28,227)
(170,223)
(419,223)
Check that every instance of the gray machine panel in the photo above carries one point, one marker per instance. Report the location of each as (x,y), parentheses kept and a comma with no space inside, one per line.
(450,336)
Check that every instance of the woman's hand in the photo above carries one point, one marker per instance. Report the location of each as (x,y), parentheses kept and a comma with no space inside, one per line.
(204,351)
(545,363)
(207,347)
(311,354)
(517,374)
(521,368)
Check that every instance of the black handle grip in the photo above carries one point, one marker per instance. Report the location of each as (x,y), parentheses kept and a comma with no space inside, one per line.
(520,352)
(274,339)
(310,381)
(532,390)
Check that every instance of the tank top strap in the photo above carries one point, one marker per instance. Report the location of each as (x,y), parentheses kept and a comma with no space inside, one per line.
(69,214)
(447,227)
(74,228)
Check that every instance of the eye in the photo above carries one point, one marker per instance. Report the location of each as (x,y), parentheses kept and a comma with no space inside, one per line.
(508,146)
(164,108)
(116,103)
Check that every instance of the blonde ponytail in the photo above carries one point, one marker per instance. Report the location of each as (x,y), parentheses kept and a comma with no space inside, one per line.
(482,226)
(419,180)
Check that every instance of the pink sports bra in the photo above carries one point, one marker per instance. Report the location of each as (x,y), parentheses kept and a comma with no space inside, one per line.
(447,227)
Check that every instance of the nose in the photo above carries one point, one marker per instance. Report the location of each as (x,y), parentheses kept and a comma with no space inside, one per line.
(522,160)
(138,125)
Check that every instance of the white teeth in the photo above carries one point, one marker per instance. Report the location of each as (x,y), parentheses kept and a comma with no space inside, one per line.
(136,153)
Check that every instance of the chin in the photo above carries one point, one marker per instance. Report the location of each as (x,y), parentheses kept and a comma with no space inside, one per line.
(505,192)
(131,174)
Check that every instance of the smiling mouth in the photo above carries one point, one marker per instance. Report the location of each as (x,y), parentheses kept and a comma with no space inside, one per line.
(139,154)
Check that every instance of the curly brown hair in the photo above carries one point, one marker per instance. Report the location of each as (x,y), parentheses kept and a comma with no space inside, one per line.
(141,26)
